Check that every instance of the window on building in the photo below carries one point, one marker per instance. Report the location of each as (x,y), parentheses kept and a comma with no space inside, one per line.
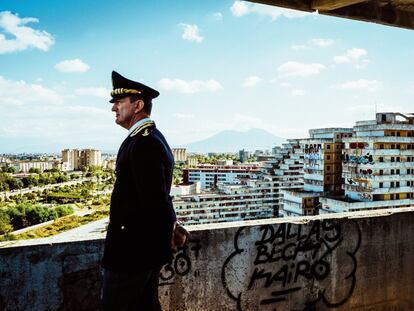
(398,134)
(381,159)
(392,159)
(398,146)
(392,184)
(397,196)
(398,159)
(392,172)
(397,172)
(381,185)
(397,184)
(328,157)
(381,146)
(328,146)
(328,168)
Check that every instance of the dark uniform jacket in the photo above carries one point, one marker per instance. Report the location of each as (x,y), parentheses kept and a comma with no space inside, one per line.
(141,212)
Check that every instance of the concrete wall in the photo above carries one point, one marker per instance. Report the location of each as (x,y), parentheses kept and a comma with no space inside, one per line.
(317,263)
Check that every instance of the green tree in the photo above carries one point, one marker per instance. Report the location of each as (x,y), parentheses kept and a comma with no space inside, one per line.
(34,170)
(5,226)
(64,210)
(8,169)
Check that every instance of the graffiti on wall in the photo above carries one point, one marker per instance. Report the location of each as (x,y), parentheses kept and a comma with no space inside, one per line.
(289,260)
(181,264)
(364,159)
(311,159)
(365,196)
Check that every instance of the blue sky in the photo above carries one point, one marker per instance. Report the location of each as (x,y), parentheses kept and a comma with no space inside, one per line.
(218,64)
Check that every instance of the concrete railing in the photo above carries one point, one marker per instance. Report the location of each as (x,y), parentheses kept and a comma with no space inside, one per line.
(350,261)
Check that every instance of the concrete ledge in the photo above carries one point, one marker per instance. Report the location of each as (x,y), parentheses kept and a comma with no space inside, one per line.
(349,261)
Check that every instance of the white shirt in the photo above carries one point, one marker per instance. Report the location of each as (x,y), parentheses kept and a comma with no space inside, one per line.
(137,124)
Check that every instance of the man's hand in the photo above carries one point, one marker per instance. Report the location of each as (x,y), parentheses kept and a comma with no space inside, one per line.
(179,237)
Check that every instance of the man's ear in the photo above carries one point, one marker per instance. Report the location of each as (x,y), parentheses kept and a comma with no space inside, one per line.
(139,106)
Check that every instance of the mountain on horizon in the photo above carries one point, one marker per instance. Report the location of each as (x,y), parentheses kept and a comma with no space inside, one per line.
(233,141)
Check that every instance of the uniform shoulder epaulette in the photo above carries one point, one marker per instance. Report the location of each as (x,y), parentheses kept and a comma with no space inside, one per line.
(143,129)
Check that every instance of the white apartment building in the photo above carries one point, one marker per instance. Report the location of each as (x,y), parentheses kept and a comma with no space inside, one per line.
(210,175)
(252,199)
(287,169)
(255,193)
(25,166)
(322,168)
(180,154)
(378,165)
(78,158)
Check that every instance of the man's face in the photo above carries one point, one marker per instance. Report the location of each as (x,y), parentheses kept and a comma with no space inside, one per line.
(124,111)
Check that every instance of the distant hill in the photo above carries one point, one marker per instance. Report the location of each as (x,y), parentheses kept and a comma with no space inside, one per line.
(233,141)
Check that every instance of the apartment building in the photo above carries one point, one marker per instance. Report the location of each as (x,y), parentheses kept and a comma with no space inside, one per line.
(322,171)
(180,154)
(251,199)
(378,165)
(251,195)
(78,158)
(210,175)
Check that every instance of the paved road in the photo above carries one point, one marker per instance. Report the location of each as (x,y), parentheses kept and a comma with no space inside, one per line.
(93,230)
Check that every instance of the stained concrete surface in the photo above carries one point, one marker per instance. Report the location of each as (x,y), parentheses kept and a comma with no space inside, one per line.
(352,261)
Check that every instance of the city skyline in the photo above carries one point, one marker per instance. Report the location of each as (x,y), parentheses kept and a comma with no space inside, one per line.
(219,65)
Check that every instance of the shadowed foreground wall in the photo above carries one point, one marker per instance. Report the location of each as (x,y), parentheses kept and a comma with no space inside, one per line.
(317,263)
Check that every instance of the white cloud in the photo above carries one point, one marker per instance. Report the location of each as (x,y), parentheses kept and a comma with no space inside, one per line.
(298,47)
(190,87)
(297,69)
(24,36)
(183,115)
(72,65)
(361,84)
(356,53)
(341,59)
(34,116)
(191,33)
(322,42)
(218,16)
(297,92)
(22,93)
(100,92)
(252,81)
(241,8)
(352,55)
(285,84)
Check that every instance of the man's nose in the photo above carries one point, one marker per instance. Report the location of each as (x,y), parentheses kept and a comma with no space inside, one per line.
(113,108)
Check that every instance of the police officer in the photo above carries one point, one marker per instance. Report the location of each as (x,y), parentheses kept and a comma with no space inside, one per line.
(142,218)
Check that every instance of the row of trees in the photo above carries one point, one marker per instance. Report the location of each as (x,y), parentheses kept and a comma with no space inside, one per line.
(9,182)
(27,214)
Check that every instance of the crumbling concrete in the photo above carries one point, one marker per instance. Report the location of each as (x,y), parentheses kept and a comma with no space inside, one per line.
(353,261)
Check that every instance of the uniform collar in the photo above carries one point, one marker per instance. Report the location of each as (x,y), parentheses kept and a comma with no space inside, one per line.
(138,124)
